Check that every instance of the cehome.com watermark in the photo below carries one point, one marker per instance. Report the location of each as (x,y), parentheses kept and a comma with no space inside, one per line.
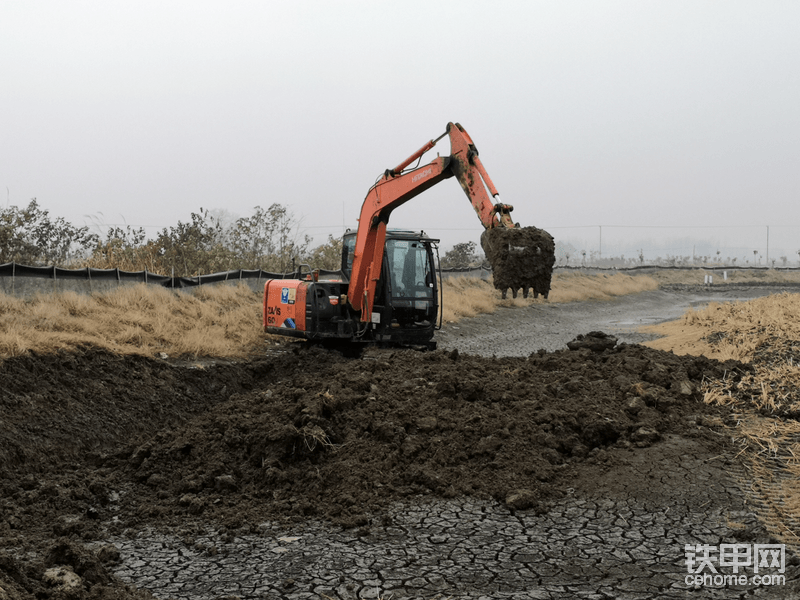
(735,564)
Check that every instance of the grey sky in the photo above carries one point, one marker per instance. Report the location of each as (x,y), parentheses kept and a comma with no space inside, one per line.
(585,113)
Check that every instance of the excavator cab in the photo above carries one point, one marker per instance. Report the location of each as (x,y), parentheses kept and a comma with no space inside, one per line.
(406,305)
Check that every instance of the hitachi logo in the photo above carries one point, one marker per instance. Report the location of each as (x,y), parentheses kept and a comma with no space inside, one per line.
(419,176)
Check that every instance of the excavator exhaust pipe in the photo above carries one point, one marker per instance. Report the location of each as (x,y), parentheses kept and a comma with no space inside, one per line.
(522,258)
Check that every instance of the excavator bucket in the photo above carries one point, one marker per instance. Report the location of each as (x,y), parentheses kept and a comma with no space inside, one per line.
(522,258)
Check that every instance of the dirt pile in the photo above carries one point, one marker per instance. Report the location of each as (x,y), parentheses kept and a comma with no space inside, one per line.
(521,258)
(94,444)
(65,406)
(346,441)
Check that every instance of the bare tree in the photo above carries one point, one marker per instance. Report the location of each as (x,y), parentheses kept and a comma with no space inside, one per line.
(30,236)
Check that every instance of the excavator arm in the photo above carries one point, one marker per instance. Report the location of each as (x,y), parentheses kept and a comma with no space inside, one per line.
(475,181)
(398,186)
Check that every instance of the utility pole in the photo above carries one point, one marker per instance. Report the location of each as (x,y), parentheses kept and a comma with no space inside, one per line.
(600,251)
(767,245)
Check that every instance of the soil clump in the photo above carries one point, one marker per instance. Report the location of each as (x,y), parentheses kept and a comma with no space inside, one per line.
(521,258)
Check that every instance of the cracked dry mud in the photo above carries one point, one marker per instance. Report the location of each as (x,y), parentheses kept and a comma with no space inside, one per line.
(304,474)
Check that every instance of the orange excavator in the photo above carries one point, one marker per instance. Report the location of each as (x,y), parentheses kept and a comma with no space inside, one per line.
(387,291)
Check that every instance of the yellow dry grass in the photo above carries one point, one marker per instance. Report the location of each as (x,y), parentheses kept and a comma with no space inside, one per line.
(469,296)
(730,277)
(764,400)
(744,326)
(221,321)
(577,287)
(224,321)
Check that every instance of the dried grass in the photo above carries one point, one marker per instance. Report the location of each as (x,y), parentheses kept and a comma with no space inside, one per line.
(747,328)
(466,297)
(224,320)
(764,398)
(221,321)
(739,277)
(576,287)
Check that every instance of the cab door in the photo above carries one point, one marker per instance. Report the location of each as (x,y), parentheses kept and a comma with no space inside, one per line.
(411,284)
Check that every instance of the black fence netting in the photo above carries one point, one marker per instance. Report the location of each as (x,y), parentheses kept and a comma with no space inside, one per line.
(56,274)
(110,275)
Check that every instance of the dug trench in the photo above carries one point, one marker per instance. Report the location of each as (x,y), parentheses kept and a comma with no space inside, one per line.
(95,447)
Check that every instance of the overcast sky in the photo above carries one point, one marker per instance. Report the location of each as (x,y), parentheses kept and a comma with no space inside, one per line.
(585,113)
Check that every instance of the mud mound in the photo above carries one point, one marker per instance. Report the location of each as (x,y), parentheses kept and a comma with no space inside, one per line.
(521,258)
(56,407)
(346,438)
(93,444)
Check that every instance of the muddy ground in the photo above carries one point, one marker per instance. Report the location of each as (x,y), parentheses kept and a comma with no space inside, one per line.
(95,447)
